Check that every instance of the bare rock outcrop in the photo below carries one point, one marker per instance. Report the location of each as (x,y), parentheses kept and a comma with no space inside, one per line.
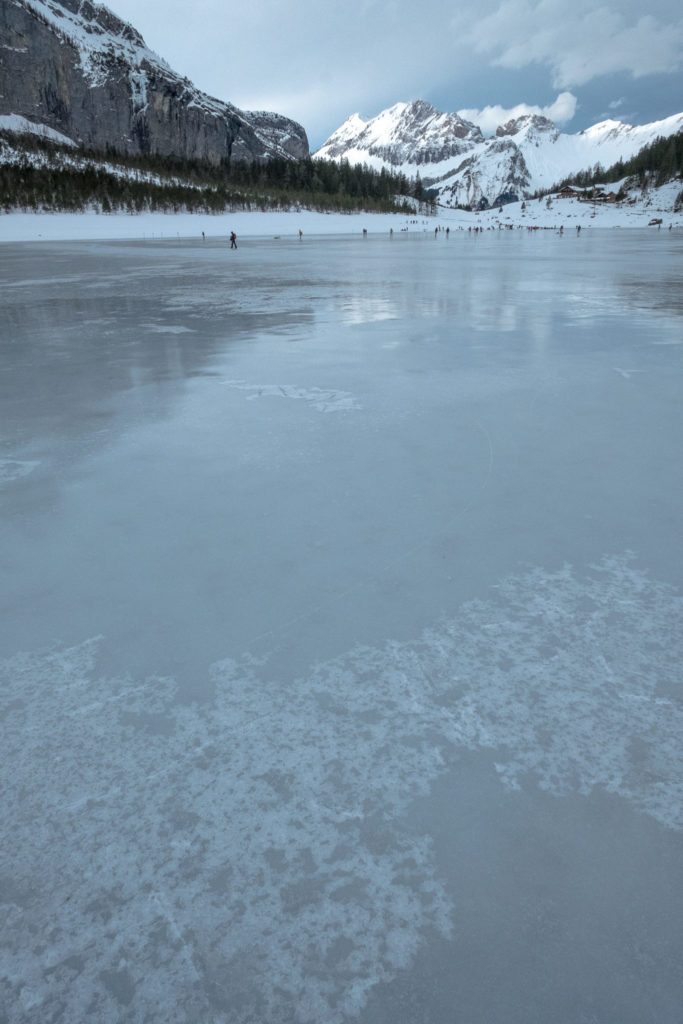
(78,69)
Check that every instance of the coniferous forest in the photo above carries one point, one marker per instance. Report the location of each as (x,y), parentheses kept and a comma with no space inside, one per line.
(655,164)
(39,174)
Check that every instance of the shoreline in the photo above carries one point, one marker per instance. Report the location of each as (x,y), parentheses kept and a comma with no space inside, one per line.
(56,227)
(563,213)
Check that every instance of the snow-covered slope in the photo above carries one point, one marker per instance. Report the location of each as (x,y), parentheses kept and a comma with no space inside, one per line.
(566,213)
(405,134)
(78,69)
(22,126)
(525,155)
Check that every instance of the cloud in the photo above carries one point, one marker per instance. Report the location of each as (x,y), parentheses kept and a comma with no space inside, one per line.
(315,62)
(615,104)
(488,118)
(577,42)
(310,60)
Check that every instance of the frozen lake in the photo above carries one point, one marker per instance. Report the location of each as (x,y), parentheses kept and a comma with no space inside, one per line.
(340,632)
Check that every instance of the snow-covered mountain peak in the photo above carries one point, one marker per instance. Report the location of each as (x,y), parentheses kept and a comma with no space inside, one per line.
(612,132)
(355,122)
(345,136)
(454,159)
(408,132)
(607,127)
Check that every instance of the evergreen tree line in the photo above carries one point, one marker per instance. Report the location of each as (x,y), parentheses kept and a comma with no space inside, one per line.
(190,184)
(655,164)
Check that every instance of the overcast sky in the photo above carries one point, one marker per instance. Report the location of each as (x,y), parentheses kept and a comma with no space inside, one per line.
(320,60)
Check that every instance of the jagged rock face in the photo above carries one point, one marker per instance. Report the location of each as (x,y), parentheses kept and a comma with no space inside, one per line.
(77,68)
(413,133)
(486,175)
(426,133)
(530,122)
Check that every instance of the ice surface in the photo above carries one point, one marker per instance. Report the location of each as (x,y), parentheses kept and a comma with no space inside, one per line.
(258,840)
(373,716)
(15,469)
(318,398)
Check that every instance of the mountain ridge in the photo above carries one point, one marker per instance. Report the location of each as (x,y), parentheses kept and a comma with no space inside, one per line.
(526,154)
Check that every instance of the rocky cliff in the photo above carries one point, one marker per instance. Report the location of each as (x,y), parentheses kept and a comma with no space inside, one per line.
(76,68)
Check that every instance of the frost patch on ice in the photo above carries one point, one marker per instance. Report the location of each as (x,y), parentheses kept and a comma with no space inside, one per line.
(322,399)
(242,861)
(15,469)
(251,859)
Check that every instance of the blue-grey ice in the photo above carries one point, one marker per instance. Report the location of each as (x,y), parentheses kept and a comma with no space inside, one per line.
(374,716)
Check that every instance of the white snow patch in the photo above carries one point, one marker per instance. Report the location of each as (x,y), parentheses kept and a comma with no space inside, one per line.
(138,87)
(22,125)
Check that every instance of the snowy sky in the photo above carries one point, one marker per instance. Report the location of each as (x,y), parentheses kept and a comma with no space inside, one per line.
(320,60)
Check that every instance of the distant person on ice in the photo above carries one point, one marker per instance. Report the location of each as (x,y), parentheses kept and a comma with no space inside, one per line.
(301,234)
(233,240)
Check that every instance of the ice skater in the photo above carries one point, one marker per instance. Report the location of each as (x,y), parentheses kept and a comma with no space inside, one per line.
(233,240)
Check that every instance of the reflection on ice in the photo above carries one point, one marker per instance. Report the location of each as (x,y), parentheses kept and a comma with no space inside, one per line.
(252,857)
(367,309)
